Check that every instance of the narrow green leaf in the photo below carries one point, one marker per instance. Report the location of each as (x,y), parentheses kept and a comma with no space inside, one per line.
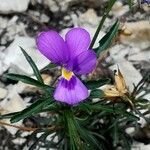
(115,135)
(33,65)
(31,110)
(142,100)
(110,5)
(7,116)
(97,84)
(99,107)
(105,42)
(112,125)
(87,136)
(127,140)
(28,80)
(96,93)
(95,107)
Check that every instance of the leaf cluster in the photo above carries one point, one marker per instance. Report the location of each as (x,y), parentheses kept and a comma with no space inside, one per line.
(90,125)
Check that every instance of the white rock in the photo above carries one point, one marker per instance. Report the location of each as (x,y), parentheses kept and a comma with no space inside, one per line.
(130,130)
(55,5)
(12,21)
(89,17)
(130,73)
(15,59)
(9,6)
(44,18)
(118,9)
(146,8)
(3,67)
(19,141)
(140,36)
(52,5)
(14,104)
(140,146)
(1,70)
(142,56)
(3,23)
(118,52)
(3,93)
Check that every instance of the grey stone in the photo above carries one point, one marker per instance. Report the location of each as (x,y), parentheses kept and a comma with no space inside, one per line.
(3,93)
(16,60)
(9,6)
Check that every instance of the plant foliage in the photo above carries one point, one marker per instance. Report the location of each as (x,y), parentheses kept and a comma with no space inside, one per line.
(97,123)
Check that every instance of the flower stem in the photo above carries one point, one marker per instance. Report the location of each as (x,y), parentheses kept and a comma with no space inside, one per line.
(110,5)
(75,142)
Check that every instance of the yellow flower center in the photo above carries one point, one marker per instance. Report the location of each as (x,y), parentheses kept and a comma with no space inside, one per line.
(67,74)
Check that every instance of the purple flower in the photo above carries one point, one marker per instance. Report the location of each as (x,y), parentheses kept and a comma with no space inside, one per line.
(75,57)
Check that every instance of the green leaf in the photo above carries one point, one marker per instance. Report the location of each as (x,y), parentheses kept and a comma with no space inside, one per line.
(99,107)
(96,93)
(7,116)
(31,110)
(97,84)
(115,135)
(33,65)
(142,100)
(87,136)
(105,42)
(28,80)
(95,107)
(127,140)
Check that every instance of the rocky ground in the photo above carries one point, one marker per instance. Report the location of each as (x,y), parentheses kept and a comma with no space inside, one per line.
(21,21)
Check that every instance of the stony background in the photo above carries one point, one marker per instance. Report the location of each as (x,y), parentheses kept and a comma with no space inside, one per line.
(22,20)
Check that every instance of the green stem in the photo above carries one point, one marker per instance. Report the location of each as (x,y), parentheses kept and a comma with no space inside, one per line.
(97,31)
(75,142)
(110,5)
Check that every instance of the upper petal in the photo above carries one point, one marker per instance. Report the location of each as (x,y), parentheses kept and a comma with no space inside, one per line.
(52,46)
(85,62)
(70,92)
(78,40)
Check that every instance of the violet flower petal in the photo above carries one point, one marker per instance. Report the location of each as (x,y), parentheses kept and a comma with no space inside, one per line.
(52,46)
(70,92)
(78,40)
(84,63)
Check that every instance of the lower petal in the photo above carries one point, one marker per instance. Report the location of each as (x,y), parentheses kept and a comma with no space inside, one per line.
(70,92)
